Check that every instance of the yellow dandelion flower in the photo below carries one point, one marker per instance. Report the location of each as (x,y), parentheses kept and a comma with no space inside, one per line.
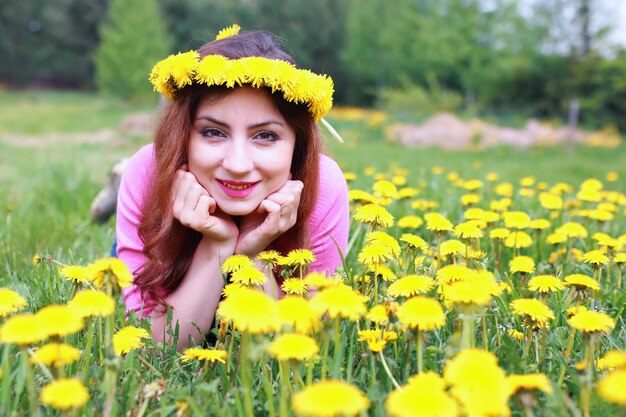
(492,176)
(385,188)
(612,176)
(377,314)
(298,314)
(340,301)
(592,321)
(421,313)
(92,303)
(611,388)
(540,224)
(330,398)
(74,273)
(451,273)
(518,239)
(383,238)
(205,355)
(235,262)
(129,338)
(581,282)
(550,201)
(293,346)
(376,345)
(572,311)
(362,196)
(227,32)
(452,247)
(499,233)
(620,258)
(23,329)
(10,302)
(612,360)
(36,259)
(528,382)
(407,192)
(478,383)
(410,222)
(299,257)
(374,253)
(516,334)
(590,195)
(411,285)
(524,264)
(425,396)
(60,320)
(414,241)
(501,205)
(231,288)
(319,280)
(248,276)
(64,394)
(375,215)
(600,215)
(469,199)
(437,222)
(468,230)
(572,229)
(109,272)
(535,312)
(596,257)
(250,311)
(55,354)
(556,238)
(349,176)
(545,284)
(469,292)
(516,220)
(294,286)
(269,257)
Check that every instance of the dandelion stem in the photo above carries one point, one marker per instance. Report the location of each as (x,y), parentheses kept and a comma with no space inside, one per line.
(467,332)
(388,371)
(485,335)
(88,347)
(420,351)
(28,377)
(568,352)
(246,375)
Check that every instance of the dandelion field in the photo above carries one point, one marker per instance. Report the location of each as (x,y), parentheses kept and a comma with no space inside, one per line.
(477,283)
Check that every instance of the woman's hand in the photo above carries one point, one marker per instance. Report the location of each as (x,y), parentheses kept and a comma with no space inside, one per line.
(193,207)
(276,214)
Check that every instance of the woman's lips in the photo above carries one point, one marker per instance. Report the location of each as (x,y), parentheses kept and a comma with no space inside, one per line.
(237,189)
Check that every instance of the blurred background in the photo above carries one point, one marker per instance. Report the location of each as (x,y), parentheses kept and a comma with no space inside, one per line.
(413,58)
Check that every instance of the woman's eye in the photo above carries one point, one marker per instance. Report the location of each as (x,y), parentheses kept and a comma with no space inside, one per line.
(212,132)
(266,136)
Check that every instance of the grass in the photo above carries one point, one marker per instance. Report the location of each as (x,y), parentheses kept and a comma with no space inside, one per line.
(45,196)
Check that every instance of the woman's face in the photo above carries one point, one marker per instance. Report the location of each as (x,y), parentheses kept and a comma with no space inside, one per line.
(240,149)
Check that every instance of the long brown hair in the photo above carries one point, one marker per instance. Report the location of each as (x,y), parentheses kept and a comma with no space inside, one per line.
(168,245)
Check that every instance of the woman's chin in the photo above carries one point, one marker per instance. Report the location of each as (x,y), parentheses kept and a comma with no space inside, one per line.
(238,209)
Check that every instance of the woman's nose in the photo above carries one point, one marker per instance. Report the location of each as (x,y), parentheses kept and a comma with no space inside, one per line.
(238,158)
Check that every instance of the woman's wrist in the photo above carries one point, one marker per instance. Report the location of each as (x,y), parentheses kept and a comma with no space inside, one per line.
(217,249)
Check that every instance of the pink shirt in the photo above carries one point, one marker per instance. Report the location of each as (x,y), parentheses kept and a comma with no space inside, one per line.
(329,220)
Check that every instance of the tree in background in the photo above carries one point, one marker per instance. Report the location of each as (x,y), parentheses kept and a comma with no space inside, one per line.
(49,44)
(134,37)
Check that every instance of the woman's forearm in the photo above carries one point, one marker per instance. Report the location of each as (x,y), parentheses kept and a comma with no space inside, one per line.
(195,301)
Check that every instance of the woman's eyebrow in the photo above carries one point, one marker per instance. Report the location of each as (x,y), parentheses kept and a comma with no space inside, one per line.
(252,126)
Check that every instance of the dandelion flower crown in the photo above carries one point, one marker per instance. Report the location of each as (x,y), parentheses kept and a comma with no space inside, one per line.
(297,85)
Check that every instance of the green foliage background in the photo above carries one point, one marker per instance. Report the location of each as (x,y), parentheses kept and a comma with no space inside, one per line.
(475,57)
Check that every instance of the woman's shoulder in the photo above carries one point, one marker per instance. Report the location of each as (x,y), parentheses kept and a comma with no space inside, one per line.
(330,173)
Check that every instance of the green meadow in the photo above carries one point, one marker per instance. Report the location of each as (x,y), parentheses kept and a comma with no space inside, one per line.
(55,153)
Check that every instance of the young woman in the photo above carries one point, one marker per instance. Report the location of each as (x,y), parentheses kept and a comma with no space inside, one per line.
(235,168)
